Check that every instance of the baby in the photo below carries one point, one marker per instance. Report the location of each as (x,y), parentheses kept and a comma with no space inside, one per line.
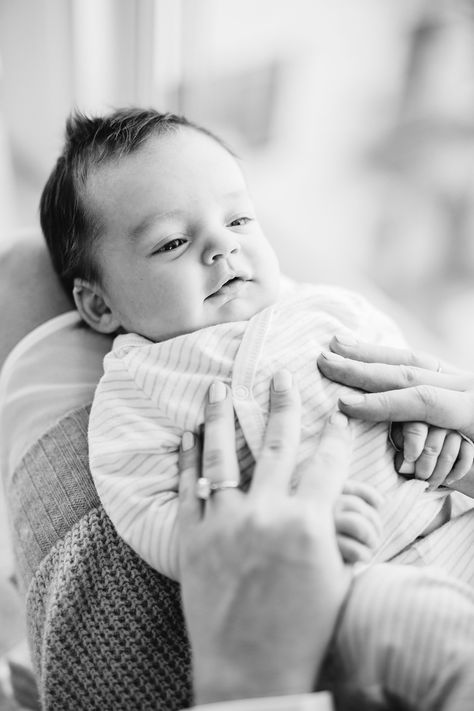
(149,222)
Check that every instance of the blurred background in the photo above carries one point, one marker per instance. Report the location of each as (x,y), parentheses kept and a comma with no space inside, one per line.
(354,120)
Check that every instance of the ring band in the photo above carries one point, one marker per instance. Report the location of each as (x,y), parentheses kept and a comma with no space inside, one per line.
(205,488)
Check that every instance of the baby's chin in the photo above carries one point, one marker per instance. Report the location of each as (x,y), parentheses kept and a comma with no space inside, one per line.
(240,310)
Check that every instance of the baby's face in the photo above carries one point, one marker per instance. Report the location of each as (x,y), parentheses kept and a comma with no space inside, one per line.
(180,246)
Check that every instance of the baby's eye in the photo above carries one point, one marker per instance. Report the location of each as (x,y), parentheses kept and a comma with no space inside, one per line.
(172,244)
(240,221)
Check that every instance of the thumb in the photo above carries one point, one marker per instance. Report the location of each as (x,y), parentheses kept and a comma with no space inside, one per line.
(323,478)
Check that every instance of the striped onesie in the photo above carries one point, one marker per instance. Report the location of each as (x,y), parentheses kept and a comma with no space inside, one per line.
(151,393)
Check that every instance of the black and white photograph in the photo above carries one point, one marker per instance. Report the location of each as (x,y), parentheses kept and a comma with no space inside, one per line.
(237,355)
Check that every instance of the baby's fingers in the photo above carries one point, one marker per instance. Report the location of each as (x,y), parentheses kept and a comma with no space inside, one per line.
(358,522)
(438,455)
(463,463)
(352,551)
(414,438)
(354,488)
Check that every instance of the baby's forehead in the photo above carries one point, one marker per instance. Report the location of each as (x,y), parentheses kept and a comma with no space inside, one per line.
(163,173)
(184,146)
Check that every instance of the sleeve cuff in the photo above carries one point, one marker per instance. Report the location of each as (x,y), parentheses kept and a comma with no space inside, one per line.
(321,701)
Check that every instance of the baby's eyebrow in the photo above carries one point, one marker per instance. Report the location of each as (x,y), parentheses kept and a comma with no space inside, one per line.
(139,230)
(234,194)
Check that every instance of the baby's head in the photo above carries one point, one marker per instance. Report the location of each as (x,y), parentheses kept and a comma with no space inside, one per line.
(149,223)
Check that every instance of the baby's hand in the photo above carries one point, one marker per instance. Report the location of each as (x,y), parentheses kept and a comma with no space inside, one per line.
(357,520)
(433,454)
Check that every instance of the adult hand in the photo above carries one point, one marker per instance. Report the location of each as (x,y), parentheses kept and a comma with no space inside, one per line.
(261,574)
(403,386)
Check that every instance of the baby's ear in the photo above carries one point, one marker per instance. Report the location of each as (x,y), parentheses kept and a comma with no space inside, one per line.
(93,308)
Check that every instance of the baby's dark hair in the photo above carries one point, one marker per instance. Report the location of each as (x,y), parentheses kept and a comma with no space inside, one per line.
(69,226)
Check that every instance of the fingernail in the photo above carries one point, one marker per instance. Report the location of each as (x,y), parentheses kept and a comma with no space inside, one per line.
(282,381)
(406,467)
(329,355)
(352,400)
(217,392)
(338,418)
(346,339)
(187,442)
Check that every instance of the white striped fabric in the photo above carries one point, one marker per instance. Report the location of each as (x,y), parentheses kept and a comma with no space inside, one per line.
(151,392)
(411,632)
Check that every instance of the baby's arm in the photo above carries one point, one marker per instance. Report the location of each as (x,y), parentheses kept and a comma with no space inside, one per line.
(133,452)
(437,455)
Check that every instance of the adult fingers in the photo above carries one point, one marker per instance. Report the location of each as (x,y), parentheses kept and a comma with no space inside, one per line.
(376,377)
(323,477)
(276,462)
(349,347)
(436,406)
(189,465)
(219,459)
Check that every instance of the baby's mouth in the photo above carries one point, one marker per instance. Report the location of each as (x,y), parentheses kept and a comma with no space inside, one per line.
(231,287)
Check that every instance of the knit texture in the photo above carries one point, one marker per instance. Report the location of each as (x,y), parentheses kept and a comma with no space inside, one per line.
(105,630)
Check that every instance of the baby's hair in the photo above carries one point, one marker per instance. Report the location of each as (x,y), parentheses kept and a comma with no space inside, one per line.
(69,226)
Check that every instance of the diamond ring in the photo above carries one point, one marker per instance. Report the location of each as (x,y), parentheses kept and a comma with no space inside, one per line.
(205,488)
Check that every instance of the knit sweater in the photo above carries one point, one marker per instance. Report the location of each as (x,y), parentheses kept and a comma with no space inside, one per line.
(105,630)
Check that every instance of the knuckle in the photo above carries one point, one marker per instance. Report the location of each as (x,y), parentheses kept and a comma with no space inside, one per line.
(431,450)
(213,458)
(384,402)
(414,429)
(408,374)
(283,401)
(274,446)
(447,458)
(362,370)
(214,413)
(427,396)
(423,360)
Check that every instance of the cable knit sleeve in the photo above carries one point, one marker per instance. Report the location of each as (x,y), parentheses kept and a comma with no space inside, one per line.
(105,630)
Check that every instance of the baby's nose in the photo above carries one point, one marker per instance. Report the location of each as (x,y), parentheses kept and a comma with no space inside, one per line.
(219,246)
